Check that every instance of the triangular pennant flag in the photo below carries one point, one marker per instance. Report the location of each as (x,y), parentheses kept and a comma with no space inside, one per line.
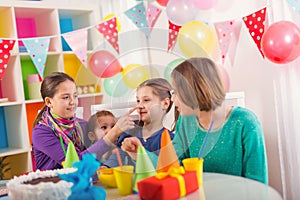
(295,4)
(77,40)
(173,33)
(143,168)
(255,23)
(71,156)
(38,49)
(234,40)
(152,15)
(109,30)
(167,155)
(5,47)
(224,32)
(137,15)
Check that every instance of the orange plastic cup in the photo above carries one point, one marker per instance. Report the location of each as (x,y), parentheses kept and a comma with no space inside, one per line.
(124,176)
(194,164)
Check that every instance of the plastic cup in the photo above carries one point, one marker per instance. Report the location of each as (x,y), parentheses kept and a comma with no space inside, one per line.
(107,177)
(124,176)
(194,164)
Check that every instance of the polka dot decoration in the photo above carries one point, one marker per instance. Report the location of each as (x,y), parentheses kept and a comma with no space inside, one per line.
(173,33)
(5,48)
(152,15)
(255,23)
(109,30)
(138,17)
(77,40)
(224,32)
(38,49)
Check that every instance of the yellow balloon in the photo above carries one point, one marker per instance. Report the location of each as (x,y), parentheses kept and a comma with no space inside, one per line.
(117,20)
(196,39)
(135,74)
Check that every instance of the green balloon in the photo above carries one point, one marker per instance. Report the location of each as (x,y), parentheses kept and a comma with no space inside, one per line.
(170,67)
(114,86)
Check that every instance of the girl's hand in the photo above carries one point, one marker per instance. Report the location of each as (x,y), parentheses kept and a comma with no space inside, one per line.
(130,145)
(126,122)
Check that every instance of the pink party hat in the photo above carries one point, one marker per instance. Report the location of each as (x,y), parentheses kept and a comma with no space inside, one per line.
(71,156)
(167,156)
(144,167)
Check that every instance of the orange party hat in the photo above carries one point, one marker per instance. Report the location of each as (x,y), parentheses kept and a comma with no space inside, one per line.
(167,156)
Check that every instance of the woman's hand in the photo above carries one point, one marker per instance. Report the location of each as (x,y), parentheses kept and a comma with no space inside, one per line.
(130,145)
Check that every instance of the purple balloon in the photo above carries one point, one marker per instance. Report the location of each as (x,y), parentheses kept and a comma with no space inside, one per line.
(181,11)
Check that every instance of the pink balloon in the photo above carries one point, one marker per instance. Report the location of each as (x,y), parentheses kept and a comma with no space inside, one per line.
(281,42)
(181,11)
(104,64)
(226,78)
(162,2)
(204,4)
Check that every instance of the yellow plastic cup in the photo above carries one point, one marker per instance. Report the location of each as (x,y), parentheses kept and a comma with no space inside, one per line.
(107,177)
(194,164)
(124,176)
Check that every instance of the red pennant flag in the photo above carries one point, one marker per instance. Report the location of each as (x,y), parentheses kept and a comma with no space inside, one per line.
(5,47)
(109,30)
(173,33)
(255,23)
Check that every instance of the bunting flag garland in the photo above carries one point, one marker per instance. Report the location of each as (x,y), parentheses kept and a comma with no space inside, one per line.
(152,15)
(137,15)
(231,52)
(5,47)
(38,49)
(224,32)
(109,30)
(255,23)
(295,4)
(77,40)
(173,33)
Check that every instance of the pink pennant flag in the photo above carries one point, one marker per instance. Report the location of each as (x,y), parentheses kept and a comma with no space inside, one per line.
(173,33)
(224,32)
(5,47)
(152,14)
(77,40)
(255,23)
(38,49)
(231,52)
(109,30)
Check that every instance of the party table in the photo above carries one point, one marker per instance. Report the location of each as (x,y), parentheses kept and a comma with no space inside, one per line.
(215,187)
(219,187)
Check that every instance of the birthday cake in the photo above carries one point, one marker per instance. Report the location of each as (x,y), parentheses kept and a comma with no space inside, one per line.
(40,185)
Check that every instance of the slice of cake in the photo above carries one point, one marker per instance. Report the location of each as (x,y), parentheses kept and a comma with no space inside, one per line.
(40,185)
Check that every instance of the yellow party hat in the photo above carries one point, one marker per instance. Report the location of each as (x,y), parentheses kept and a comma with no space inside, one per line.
(167,155)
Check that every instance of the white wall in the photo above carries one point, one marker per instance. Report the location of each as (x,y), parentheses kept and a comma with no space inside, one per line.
(249,72)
